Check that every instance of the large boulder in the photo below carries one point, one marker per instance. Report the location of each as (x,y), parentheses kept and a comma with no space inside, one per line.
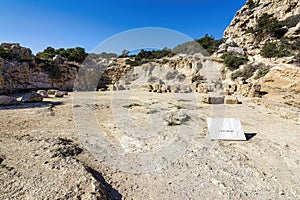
(7,100)
(236,50)
(216,100)
(176,118)
(51,92)
(59,94)
(32,97)
(43,93)
(231,100)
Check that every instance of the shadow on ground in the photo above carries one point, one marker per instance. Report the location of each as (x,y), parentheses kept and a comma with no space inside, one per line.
(112,193)
(249,136)
(21,105)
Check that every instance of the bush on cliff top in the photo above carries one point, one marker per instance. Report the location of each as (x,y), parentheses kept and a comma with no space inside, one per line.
(206,45)
(5,53)
(209,43)
(76,54)
(147,56)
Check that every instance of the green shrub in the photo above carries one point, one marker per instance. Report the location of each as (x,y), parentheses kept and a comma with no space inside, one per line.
(262,71)
(48,53)
(133,62)
(76,54)
(268,25)
(102,55)
(296,45)
(206,45)
(209,43)
(53,70)
(148,56)
(5,53)
(275,49)
(233,61)
(297,58)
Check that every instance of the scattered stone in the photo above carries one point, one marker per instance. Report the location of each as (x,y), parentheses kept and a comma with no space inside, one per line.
(231,100)
(67,151)
(202,88)
(176,118)
(59,94)
(121,87)
(255,90)
(51,92)
(32,97)
(43,93)
(236,50)
(222,48)
(7,100)
(216,100)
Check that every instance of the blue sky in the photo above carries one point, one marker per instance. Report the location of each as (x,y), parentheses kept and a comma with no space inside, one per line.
(70,23)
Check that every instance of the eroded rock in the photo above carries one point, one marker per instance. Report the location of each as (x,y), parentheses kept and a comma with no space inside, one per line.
(43,93)
(32,97)
(176,118)
(7,100)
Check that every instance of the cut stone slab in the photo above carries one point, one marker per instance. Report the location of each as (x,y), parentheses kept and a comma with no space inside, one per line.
(216,100)
(231,100)
(225,129)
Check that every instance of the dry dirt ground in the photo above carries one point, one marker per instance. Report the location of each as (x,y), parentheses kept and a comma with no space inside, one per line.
(45,155)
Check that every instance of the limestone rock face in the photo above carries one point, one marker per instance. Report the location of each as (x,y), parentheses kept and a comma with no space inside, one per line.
(21,70)
(236,50)
(246,18)
(284,77)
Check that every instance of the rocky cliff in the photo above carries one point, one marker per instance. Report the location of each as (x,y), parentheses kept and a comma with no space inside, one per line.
(21,70)
(284,22)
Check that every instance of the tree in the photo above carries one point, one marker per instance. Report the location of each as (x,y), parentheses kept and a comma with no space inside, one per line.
(125,53)
(76,54)
(48,53)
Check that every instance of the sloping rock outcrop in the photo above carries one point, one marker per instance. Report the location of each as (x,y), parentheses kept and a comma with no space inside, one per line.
(242,28)
(21,70)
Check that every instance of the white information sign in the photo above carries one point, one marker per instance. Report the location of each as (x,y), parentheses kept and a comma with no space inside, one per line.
(225,129)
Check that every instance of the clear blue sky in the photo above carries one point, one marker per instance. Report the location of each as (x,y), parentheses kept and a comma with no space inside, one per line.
(70,23)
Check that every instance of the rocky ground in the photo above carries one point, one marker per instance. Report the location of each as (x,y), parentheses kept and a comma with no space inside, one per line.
(42,153)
